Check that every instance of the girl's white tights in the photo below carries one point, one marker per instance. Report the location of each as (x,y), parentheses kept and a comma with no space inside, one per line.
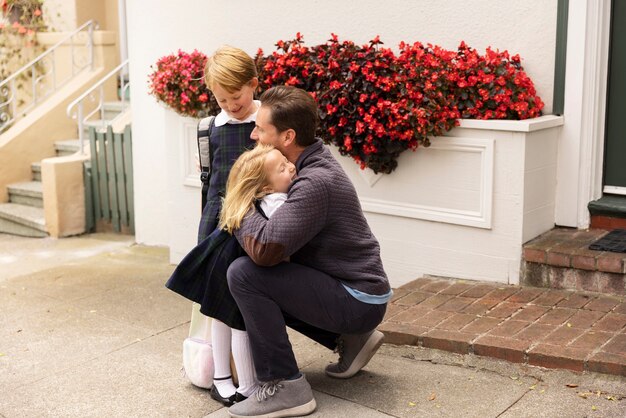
(243,362)
(220,339)
(223,338)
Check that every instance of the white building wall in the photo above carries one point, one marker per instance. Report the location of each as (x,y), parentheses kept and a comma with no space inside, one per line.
(155,29)
(161,27)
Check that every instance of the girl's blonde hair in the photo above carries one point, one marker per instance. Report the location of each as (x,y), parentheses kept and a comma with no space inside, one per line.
(245,185)
(229,67)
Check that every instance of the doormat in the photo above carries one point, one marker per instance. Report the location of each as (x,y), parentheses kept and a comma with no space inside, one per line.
(614,241)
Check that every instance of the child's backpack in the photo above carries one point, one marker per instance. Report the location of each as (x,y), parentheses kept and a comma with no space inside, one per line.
(198,365)
(205,126)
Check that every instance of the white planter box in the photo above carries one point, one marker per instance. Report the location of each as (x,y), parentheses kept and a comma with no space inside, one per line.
(464,206)
(461,208)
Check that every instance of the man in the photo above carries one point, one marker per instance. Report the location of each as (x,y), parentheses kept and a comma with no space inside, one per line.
(332,288)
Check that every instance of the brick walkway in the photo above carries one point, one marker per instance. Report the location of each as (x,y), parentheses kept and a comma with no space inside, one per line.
(574,330)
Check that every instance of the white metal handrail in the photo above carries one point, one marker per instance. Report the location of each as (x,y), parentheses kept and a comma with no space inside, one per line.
(11,107)
(76,109)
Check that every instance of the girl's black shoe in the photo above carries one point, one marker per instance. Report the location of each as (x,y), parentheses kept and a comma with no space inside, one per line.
(225,401)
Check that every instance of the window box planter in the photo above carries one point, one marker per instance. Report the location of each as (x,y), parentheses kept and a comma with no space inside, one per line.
(464,206)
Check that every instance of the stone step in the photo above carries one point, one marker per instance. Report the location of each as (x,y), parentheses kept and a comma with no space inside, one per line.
(608,212)
(561,259)
(99,124)
(112,109)
(609,205)
(28,193)
(68,147)
(35,169)
(22,220)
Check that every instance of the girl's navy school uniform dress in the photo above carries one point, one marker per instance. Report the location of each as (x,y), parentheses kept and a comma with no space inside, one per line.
(201,275)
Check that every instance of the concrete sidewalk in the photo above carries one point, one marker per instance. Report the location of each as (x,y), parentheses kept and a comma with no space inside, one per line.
(98,335)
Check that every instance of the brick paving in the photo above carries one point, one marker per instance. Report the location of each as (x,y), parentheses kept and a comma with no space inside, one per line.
(576,330)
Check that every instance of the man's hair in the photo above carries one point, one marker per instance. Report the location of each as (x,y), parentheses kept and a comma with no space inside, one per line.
(292,108)
(245,185)
(229,67)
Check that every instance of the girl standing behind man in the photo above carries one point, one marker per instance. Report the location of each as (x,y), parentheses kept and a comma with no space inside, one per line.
(231,76)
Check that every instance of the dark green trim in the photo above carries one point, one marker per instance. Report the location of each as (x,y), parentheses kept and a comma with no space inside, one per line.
(608,205)
(128,169)
(615,138)
(558,97)
(90,219)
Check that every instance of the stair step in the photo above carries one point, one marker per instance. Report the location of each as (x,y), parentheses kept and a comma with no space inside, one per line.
(68,146)
(27,188)
(99,124)
(116,105)
(608,212)
(561,259)
(609,205)
(22,220)
(35,169)
(27,193)
(608,223)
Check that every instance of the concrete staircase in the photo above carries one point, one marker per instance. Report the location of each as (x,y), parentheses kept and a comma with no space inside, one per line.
(24,215)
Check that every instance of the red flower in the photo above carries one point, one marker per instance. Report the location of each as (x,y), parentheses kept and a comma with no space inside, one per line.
(177,81)
(293,81)
(375,103)
(347,142)
(335,85)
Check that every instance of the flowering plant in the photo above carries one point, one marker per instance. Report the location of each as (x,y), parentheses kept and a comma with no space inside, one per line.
(493,86)
(177,81)
(375,104)
(372,107)
(26,13)
(20,21)
(18,41)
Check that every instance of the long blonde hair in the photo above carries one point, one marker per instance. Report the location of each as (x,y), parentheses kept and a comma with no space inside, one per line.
(246,184)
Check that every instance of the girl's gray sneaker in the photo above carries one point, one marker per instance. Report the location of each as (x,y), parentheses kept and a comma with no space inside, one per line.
(285,398)
(355,351)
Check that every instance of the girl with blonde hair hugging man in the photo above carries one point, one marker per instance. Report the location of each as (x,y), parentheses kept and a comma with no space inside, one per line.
(261,175)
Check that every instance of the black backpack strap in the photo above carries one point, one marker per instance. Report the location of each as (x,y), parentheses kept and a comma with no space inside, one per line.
(205,126)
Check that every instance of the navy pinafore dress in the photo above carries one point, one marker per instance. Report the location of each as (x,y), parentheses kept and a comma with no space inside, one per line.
(201,275)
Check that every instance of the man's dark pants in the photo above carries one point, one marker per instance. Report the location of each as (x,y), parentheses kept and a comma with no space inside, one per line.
(305,299)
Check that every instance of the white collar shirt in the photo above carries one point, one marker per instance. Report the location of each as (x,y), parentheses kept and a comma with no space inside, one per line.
(223,118)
